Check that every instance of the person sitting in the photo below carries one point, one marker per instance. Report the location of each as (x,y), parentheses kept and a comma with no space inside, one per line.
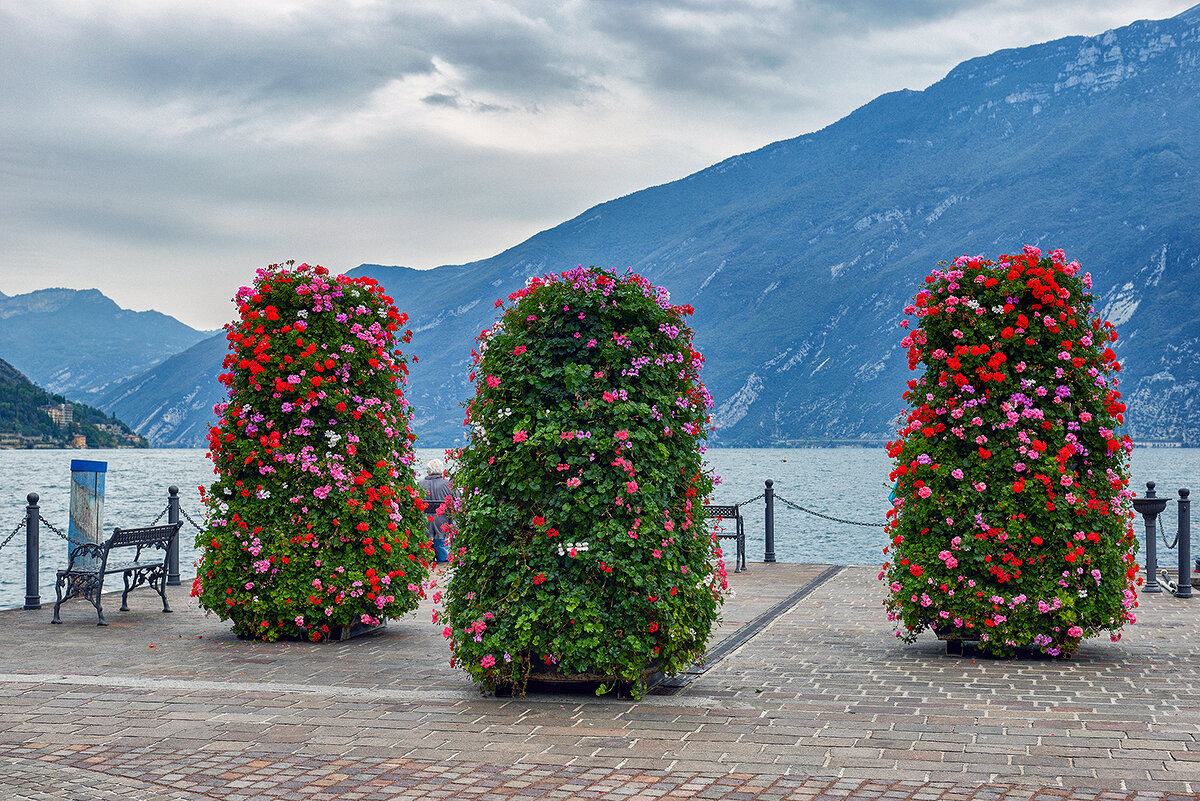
(435,489)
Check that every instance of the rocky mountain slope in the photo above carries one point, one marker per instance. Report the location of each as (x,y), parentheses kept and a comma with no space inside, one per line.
(800,257)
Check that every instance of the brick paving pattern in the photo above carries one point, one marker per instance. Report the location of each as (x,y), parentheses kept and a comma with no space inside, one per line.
(822,704)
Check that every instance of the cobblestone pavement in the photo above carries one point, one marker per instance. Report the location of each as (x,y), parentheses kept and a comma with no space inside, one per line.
(824,703)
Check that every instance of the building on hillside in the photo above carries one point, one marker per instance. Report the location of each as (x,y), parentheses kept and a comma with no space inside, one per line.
(61,413)
(79,441)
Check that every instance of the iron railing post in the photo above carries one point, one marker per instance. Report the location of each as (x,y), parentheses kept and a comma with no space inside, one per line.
(173,551)
(1150,507)
(1185,545)
(33,593)
(769,533)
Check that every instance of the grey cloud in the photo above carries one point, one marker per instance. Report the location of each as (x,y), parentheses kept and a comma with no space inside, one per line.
(333,56)
(441,99)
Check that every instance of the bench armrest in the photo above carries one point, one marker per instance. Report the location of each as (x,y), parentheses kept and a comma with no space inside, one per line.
(83,550)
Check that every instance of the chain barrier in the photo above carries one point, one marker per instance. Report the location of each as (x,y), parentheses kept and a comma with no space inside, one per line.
(188,517)
(752,500)
(1162,532)
(166,509)
(8,539)
(53,528)
(829,517)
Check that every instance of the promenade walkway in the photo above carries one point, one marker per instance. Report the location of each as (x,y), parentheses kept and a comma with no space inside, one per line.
(823,703)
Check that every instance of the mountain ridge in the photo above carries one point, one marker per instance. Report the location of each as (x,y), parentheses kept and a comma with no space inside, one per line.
(25,423)
(78,342)
(800,256)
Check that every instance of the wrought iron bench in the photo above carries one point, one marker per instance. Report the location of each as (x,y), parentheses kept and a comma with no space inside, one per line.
(732,513)
(90,562)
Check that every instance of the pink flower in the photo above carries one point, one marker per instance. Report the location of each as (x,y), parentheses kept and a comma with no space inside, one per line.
(487,661)
(573,482)
(520,436)
(924,492)
(492,381)
(631,486)
(623,434)
(1074,631)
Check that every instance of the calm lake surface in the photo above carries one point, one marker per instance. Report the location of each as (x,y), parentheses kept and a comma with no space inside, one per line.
(847,483)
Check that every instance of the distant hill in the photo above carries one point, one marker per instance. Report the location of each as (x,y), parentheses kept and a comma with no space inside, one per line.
(79,343)
(800,257)
(172,403)
(27,418)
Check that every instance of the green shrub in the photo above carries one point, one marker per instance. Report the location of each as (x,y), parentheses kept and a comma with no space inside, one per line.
(1011,522)
(582,547)
(314,521)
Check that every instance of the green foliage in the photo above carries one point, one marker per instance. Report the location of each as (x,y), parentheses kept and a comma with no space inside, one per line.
(22,417)
(582,546)
(1011,522)
(314,522)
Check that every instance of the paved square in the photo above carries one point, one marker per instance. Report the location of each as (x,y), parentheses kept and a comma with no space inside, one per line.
(822,703)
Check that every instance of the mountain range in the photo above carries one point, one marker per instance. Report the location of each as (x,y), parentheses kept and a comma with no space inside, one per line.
(80,343)
(800,257)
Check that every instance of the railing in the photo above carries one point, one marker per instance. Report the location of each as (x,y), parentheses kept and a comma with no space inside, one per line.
(1150,506)
(33,522)
(769,497)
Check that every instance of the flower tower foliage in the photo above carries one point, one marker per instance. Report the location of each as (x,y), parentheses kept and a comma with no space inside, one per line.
(314,522)
(582,548)
(1011,523)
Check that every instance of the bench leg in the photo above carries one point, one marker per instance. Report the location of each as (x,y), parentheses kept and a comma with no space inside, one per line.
(161,586)
(125,594)
(58,598)
(92,593)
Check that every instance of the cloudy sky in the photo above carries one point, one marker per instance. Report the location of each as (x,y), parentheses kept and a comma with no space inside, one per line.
(161,150)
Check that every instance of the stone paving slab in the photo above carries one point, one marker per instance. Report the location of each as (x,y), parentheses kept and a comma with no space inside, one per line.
(824,703)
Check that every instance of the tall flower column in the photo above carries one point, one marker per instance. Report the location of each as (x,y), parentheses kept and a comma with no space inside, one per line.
(315,523)
(1011,524)
(582,547)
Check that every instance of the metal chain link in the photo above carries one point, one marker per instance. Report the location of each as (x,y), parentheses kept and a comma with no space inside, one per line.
(8,539)
(53,528)
(1162,532)
(166,509)
(188,517)
(752,500)
(829,517)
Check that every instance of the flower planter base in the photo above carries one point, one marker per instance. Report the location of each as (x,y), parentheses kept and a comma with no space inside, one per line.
(356,630)
(954,647)
(554,683)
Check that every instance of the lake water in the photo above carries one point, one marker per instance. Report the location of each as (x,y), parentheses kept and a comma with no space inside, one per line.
(847,483)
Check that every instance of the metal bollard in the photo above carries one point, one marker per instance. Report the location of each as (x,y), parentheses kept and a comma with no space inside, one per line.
(769,556)
(33,595)
(173,552)
(1150,507)
(1185,545)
